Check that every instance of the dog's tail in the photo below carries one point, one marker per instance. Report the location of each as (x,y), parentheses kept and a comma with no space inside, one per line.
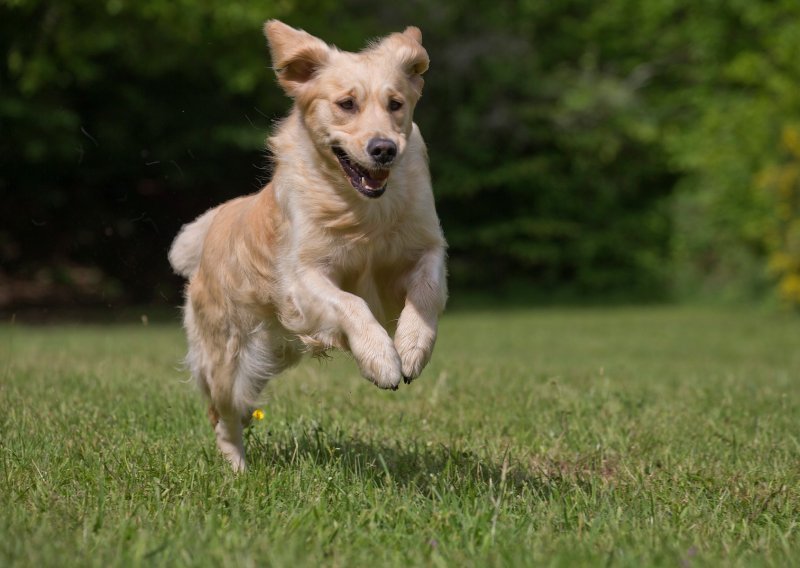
(187,248)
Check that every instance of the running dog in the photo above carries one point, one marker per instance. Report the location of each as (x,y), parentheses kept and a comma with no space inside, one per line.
(342,249)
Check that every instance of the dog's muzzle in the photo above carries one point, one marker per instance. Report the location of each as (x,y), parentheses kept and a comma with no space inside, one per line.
(368,182)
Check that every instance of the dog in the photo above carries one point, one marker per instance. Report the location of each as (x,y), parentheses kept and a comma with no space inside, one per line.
(341,249)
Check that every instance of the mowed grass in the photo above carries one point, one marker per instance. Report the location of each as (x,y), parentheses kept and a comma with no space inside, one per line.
(635,436)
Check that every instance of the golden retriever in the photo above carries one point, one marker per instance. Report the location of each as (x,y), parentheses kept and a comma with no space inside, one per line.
(342,249)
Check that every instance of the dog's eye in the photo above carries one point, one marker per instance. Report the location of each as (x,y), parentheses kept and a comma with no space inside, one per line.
(395,105)
(347,104)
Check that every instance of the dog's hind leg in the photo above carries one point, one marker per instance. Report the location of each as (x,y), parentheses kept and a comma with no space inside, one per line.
(252,359)
(227,421)
(232,408)
(230,442)
(213,362)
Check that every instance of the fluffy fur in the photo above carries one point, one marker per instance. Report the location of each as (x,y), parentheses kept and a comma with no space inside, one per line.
(321,257)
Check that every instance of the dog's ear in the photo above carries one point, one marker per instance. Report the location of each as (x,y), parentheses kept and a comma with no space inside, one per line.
(418,61)
(296,55)
(407,48)
(414,33)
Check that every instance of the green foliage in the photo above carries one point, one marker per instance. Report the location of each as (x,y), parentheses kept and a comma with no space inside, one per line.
(515,448)
(128,118)
(723,217)
(552,170)
(782,182)
(85,61)
(579,147)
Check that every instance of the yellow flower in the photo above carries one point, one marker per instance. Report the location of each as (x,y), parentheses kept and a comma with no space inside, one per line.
(258,414)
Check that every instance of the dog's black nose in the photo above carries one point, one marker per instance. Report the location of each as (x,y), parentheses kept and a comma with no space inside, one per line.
(382,150)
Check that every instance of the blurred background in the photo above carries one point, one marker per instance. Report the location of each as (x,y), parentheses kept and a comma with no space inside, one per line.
(582,151)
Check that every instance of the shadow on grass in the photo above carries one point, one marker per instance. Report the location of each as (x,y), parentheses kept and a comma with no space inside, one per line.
(427,468)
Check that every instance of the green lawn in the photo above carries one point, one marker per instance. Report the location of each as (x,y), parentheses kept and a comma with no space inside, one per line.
(634,436)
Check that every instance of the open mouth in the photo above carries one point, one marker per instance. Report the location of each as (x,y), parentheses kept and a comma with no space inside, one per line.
(370,183)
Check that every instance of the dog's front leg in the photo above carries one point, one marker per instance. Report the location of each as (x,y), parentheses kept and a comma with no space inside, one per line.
(426,294)
(328,313)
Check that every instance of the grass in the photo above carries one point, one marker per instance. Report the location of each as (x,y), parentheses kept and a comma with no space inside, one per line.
(629,437)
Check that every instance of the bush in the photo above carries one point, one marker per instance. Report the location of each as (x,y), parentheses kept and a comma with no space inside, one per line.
(782,182)
(577,148)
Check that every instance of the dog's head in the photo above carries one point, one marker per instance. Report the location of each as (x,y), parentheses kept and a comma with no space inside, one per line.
(357,107)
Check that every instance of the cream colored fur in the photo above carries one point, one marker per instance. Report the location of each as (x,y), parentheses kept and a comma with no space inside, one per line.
(309,263)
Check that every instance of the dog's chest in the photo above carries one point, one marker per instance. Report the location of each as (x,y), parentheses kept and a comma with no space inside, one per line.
(371,254)
(373,272)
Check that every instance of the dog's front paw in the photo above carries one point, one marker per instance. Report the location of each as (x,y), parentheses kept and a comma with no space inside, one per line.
(380,363)
(415,348)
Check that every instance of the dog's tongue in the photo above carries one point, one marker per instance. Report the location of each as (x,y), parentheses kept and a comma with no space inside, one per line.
(376,179)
